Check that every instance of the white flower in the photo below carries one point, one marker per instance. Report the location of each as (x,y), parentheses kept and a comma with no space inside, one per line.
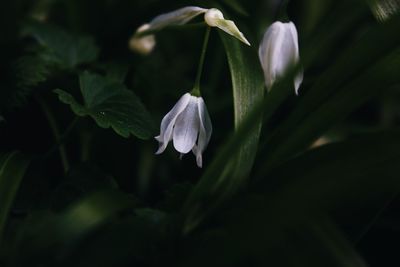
(188,125)
(278,51)
(213,17)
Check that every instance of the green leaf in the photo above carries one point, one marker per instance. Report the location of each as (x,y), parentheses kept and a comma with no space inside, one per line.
(247,229)
(12,169)
(384,9)
(248,89)
(338,175)
(221,181)
(54,236)
(65,49)
(110,104)
(236,6)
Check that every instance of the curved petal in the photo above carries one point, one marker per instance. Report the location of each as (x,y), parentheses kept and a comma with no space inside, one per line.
(186,127)
(167,123)
(215,18)
(177,17)
(199,158)
(205,132)
(268,52)
(298,79)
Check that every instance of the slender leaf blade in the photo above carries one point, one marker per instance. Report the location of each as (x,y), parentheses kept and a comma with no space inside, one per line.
(12,169)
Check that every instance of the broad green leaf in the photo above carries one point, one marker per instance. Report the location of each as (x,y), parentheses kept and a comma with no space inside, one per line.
(221,180)
(65,49)
(12,169)
(110,104)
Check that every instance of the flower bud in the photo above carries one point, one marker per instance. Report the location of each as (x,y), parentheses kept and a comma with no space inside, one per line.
(278,52)
(212,16)
(142,44)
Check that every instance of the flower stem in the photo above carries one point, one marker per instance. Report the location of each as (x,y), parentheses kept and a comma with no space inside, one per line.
(281,14)
(54,128)
(196,89)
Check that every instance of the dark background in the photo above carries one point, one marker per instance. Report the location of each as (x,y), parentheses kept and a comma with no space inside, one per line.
(136,197)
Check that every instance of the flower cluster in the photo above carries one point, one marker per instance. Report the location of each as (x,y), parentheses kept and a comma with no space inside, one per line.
(188,123)
(144,43)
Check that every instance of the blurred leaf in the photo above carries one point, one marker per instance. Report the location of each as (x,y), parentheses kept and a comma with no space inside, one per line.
(12,169)
(65,49)
(54,236)
(128,241)
(81,180)
(110,104)
(91,212)
(384,9)
(236,6)
(30,70)
(247,233)
(338,175)
(221,181)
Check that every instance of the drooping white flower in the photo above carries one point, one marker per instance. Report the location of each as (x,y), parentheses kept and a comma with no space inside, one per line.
(278,51)
(213,17)
(188,125)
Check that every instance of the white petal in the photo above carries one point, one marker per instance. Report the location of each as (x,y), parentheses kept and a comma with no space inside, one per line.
(205,126)
(286,53)
(187,127)
(199,159)
(215,18)
(268,52)
(177,17)
(205,132)
(298,79)
(167,123)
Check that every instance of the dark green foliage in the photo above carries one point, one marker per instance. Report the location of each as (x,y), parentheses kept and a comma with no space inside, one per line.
(64,49)
(269,193)
(110,104)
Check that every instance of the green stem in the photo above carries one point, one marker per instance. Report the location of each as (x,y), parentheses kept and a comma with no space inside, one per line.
(59,142)
(196,89)
(281,13)
(56,132)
